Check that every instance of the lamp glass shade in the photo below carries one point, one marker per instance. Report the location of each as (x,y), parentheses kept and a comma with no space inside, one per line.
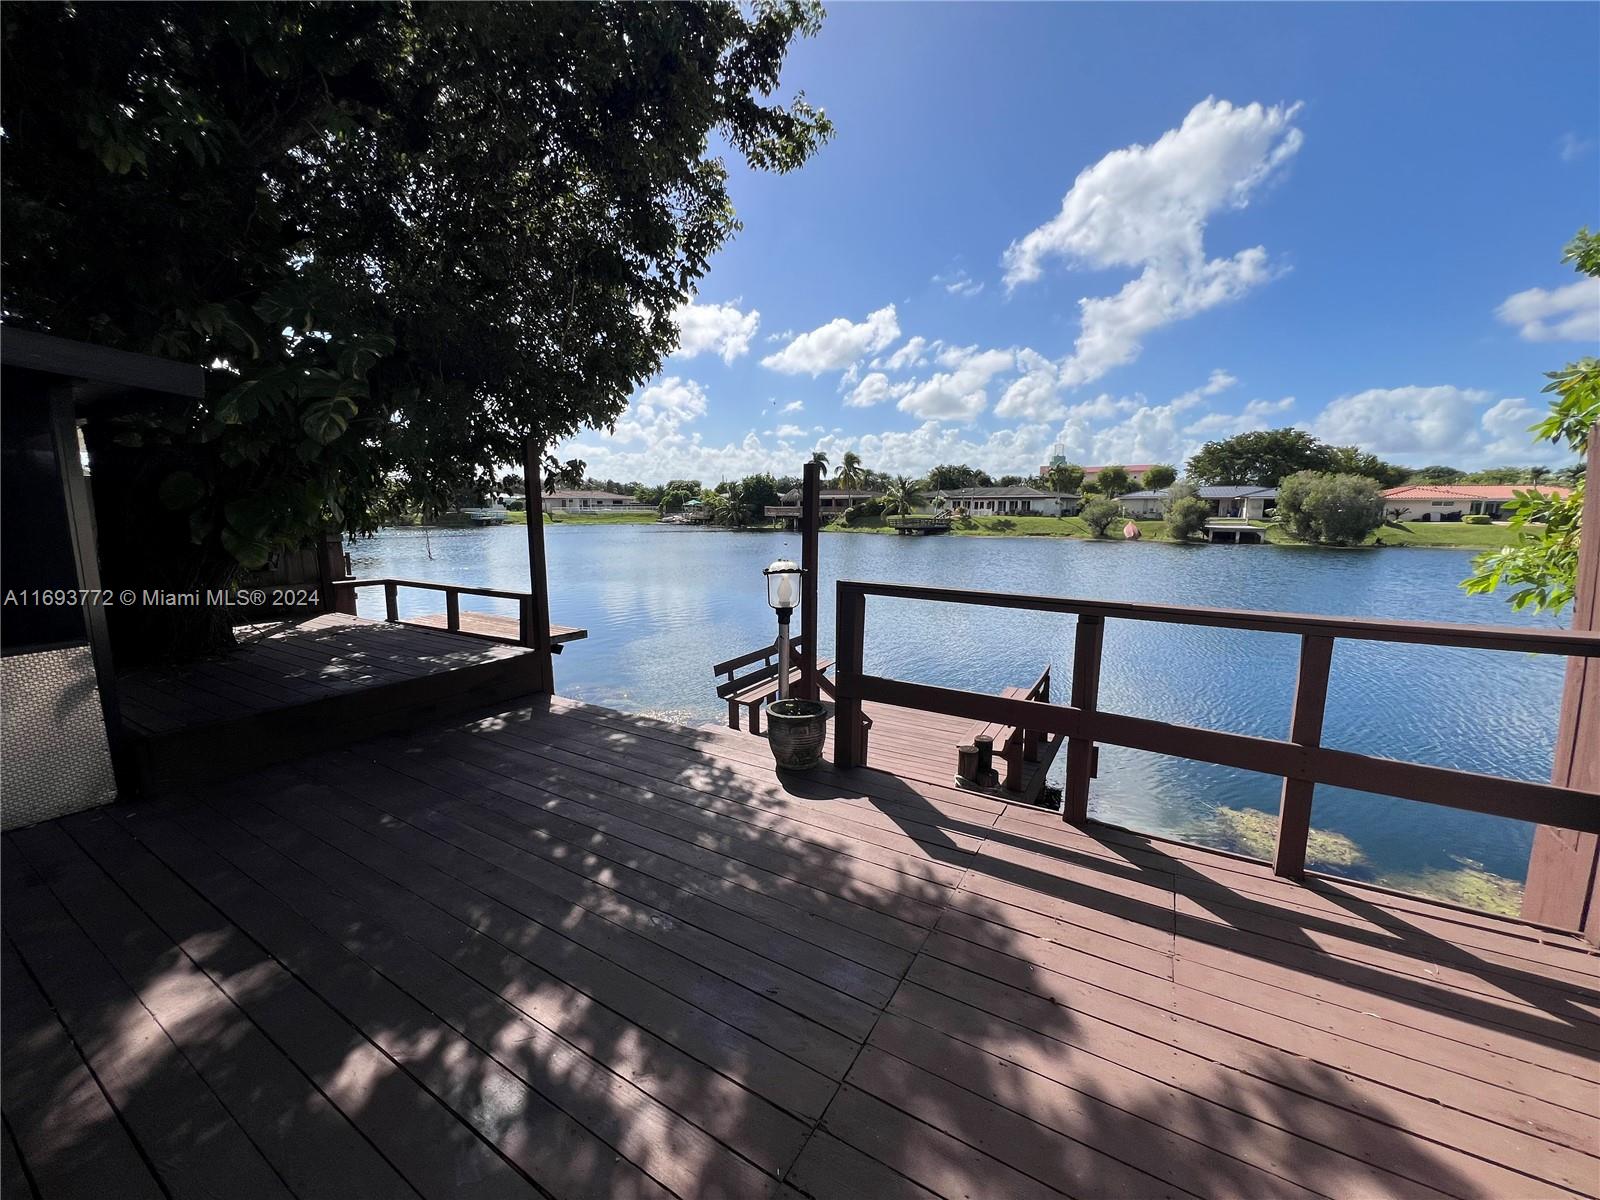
(783,584)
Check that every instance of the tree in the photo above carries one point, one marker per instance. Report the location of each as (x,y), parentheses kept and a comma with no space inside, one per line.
(1187,517)
(1066,478)
(1436,475)
(1542,565)
(1259,458)
(1159,476)
(757,492)
(903,496)
(1537,475)
(512,484)
(1100,515)
(410,235)
(821,458)
(1114,480)
(567,476)
(1353,460)
(850,476)
(949,478)
(1333,510)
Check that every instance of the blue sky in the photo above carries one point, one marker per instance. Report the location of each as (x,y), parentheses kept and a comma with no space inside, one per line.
(1128,229)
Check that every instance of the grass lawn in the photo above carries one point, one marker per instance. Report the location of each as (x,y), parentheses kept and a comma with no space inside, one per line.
(1411,533)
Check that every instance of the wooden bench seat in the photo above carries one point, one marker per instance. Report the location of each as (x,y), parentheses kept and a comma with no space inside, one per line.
(759,684)
(1018,747)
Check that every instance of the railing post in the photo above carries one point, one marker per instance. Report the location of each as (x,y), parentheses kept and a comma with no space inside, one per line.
(1305,729)
(525,626)
(452,610)
(1085,698)
(850,617)
(391,600)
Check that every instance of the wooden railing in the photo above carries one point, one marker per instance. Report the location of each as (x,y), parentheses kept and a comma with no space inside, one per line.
(1300,759)
(452,602)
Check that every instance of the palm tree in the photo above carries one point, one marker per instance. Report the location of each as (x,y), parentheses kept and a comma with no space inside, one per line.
(1538,474)
(902,496)
(821,456)
(850,475)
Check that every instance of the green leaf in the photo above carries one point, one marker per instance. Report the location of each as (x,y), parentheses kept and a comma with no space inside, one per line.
(324,420)
(252,553)
(180,490)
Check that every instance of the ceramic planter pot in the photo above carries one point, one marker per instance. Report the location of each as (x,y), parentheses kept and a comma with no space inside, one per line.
(795,731)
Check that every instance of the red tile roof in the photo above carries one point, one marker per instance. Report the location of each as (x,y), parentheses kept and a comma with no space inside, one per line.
(1473,491)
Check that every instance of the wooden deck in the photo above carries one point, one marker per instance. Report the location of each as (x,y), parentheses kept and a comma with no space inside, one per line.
(300,686)
(568,952)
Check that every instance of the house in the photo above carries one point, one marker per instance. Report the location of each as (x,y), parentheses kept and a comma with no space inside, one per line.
(1228,500)
(831,500)
(1145,505)
(1240,500)
(1012,500)
(1451,502)
(569,501)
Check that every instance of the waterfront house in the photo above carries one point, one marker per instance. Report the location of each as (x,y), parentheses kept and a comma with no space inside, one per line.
(1012,500)
(1240,502)
(1144,505)
(585,501)
(832,500)
(1441,502)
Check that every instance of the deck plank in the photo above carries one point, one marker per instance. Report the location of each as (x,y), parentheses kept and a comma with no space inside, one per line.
(561,948)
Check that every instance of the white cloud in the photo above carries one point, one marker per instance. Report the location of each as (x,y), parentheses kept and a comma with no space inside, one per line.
(1566,314)
(1468,427)
(1572,147)
(658,411)
(875,389)
(1147,207)
(790,431)
(1406,422)
(959,283)
(1258,414)
(1035,395)
(959,393)
(913,354)
(836,345)
(793,406)
(714,328)
(1219,381)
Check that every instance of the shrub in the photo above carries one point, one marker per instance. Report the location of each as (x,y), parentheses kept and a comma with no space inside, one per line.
(1477,519)
(866,510)
(1333,510)
(1187,517)
(1100,515)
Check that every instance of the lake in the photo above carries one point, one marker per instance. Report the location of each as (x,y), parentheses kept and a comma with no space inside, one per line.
(663,603)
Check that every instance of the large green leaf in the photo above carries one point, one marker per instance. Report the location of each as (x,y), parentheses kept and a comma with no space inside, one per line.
(180,490)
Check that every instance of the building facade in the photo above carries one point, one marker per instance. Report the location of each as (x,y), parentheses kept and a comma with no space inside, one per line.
(1442,502)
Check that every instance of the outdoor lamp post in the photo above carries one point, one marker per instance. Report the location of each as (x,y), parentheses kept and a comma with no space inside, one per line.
(783,593)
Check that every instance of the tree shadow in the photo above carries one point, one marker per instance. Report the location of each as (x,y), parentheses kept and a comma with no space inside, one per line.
(568,951)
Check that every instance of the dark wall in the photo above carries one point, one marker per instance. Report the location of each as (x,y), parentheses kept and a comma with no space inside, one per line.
(36,551)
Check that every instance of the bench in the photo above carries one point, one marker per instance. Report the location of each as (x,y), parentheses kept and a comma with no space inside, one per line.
(759,684)
(975,757)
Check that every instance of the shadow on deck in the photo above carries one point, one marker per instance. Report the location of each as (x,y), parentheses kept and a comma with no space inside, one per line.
(562,950)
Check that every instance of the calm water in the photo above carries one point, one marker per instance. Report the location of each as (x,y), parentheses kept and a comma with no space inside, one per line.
(662,604)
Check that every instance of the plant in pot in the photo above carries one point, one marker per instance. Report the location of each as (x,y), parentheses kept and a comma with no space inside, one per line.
(796,729)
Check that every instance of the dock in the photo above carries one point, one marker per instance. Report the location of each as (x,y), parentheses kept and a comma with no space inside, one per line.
(919,525)
(559,950)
